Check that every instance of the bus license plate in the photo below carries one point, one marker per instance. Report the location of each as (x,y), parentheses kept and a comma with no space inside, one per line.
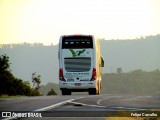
(77,84)
(70,80)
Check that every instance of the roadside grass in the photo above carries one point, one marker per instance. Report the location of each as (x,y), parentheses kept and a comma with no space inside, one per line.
(124,118)
(124,115)
(132,118)
(7,96)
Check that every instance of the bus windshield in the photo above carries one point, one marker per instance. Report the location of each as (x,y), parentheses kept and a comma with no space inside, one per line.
(77,42)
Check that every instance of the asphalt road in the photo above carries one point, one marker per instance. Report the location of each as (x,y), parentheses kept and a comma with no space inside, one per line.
(31,103)
(123,101)
(96,107)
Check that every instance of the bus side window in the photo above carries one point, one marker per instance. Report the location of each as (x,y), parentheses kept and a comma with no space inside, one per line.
(102,62)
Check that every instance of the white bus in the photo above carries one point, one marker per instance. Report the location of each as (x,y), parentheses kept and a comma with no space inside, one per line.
(80,63)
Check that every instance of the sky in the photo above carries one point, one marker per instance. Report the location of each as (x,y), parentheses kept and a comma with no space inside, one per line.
(44,21)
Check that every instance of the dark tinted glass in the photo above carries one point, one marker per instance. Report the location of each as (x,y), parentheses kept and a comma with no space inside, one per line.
(77,42)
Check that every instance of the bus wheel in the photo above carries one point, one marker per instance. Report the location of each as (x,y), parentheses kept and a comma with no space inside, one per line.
(66,92)
(92,91)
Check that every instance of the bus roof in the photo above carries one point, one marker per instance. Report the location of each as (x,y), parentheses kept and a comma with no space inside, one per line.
(77,35)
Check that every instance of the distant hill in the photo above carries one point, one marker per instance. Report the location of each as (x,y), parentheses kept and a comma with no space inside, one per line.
(131,54)
(28,58)
(126,54)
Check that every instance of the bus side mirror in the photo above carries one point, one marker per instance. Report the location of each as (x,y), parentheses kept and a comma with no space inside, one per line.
(102,62)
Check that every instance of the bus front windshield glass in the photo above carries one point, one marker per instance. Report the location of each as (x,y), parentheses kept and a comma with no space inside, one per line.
(76,42)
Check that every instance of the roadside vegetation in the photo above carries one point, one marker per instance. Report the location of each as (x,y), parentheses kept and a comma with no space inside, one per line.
(133,82)
(52,92)
(126,115)
(46,89)
(12,86)
(132,118)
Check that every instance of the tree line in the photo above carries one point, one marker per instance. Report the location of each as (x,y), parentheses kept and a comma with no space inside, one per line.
(23,45)
(10,85)
(133,82)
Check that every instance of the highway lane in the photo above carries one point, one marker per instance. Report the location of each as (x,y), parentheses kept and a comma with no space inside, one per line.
(31,103)
(97,106)
(123,101)
(109,105)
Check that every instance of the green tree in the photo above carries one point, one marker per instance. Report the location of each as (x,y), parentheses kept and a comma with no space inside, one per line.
(10,85)
(36,79)
(4,63)
(27,88)
(52,92)
(5,76)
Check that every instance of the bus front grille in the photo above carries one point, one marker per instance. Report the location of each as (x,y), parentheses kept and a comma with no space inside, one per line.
(78,64)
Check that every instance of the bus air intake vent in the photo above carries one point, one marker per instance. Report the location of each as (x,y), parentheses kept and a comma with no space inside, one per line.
(78,64)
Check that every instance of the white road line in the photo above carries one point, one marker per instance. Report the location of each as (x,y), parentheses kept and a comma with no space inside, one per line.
(54,106)
(113,97)
(110,107)
(99,101)
(88,105)
(46,108)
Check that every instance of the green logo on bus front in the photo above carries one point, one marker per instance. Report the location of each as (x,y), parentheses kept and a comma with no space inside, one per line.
(77,53)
